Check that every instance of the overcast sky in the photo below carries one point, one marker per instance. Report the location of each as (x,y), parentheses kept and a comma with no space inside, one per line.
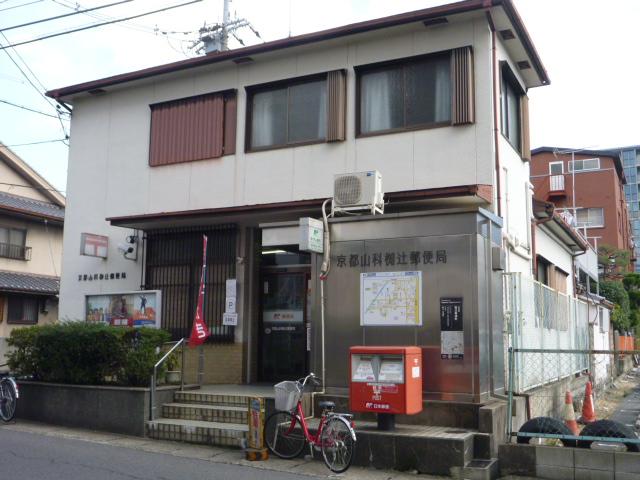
(589,47)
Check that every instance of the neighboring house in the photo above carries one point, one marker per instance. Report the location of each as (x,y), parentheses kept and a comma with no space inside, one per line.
(597,194)
(31,222)
(226,143)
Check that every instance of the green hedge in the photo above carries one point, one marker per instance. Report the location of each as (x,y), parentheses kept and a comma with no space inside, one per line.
(85,353)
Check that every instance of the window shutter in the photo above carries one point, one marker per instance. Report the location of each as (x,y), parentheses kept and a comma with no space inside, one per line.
(463,101)
(336,105)
(187,129)
(524,127)
(230,120)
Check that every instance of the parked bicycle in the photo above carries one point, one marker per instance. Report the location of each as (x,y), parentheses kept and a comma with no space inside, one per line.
(8,396)
(287,432)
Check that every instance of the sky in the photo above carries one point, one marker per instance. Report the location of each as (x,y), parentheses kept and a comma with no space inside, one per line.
(589,48)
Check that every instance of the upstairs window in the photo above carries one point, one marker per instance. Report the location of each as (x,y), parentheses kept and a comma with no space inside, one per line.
(514,112)
(556,168)
(590,217)
(586,164)
(194,128)
(296,112)
(12,243)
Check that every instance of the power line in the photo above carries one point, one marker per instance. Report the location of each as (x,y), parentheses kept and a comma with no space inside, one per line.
(64,15)
(97,25)
(64,130)
(21,5)
(28,109)
(31,186)
(63,140)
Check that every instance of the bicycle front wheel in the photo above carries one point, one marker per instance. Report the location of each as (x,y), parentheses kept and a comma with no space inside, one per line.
(338,444)
(8,399)
(283,434)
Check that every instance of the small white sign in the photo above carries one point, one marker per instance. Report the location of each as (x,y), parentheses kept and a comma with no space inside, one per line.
(311,235)
(230,305)
(415,372)
(391,372)
(231,287)
(230,319)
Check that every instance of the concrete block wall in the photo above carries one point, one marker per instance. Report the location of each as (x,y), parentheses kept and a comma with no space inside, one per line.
(222,364)
(560,463)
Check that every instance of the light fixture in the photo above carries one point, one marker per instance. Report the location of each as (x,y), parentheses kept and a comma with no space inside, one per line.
(269,252)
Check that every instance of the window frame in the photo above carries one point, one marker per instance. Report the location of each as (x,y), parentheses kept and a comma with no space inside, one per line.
(385,65)
(582,160)
(507,76)
(24,247)
(582,225)
(251,90)
(228,129)
(556,163)
(23,299)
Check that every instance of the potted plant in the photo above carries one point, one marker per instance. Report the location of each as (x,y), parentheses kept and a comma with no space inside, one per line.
(173,368)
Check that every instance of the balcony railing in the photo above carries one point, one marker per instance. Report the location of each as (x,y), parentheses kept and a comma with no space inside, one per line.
(17,252)
(556,183)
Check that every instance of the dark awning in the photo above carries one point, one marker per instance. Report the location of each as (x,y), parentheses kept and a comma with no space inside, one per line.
(28,283)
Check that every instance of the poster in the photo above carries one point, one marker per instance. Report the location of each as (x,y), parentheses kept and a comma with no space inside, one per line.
(451,329)
(391,298)
(128,309)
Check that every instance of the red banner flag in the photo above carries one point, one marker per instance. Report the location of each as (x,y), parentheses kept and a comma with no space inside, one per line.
(200,332)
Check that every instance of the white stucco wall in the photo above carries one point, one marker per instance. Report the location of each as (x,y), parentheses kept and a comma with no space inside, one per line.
(109,176)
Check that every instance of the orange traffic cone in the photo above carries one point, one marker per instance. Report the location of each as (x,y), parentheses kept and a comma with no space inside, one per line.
(569,415)
(588,413)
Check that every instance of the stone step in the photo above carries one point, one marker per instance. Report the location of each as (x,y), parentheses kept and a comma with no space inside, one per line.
(478,470)
(194,431)
(205,413)
(210,398)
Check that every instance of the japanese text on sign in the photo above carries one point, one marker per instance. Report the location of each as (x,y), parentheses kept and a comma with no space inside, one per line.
(389,259)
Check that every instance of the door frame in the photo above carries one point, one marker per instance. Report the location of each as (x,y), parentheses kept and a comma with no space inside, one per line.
(281,270)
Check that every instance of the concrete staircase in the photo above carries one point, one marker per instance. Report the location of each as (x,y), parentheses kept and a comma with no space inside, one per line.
(204,418)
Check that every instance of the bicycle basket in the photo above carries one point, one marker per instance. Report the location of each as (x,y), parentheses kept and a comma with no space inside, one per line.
(287,395)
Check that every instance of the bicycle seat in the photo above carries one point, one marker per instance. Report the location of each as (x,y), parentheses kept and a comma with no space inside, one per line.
(327,405)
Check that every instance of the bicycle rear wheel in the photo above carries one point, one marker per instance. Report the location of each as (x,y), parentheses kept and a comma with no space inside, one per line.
(283,434)
(338,444)
(8,399)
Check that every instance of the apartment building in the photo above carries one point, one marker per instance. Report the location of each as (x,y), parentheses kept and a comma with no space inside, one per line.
(631,165)
(589,186)
(240,144)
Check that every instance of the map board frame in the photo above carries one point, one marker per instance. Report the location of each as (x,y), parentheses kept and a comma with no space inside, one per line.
(365,278)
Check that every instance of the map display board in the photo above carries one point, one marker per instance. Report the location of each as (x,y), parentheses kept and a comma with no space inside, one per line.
(391,299)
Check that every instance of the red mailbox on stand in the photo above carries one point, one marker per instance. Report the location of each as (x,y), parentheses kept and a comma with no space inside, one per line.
(385,380)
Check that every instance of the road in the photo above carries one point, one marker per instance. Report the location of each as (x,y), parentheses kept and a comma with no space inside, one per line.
(29,456)
(628,412)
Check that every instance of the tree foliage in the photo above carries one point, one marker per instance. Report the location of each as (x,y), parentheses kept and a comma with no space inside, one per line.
(616,293)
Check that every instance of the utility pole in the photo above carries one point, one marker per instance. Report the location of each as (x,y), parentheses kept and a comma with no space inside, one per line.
(224,43)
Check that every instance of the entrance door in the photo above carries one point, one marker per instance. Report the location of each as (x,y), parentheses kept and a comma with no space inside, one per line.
(283,351)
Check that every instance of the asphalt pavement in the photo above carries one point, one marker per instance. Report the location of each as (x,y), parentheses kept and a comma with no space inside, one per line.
(628,411)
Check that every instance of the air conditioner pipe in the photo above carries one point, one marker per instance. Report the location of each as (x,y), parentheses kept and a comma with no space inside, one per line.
(324,273)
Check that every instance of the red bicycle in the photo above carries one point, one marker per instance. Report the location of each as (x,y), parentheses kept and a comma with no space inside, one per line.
(286,430)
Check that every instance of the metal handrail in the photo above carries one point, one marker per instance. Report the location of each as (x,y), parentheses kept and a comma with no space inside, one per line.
(154,377)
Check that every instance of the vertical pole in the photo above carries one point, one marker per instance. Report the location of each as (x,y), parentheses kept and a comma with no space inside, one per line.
(200,364)
(510,397)
(182,365)
(573,183)
(152,395)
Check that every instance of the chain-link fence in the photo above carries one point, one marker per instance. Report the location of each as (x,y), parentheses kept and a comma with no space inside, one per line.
(562,402)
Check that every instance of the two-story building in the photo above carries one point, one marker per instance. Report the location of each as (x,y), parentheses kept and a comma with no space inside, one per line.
(31,223)
(240,144)
(588,186)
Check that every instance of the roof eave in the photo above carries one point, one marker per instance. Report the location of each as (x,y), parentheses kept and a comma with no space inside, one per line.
(65,94)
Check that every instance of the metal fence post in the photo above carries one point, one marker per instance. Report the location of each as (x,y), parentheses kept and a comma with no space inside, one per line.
(182,366)
(510,397)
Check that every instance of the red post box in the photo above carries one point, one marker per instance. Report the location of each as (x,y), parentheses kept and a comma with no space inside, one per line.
(386,380)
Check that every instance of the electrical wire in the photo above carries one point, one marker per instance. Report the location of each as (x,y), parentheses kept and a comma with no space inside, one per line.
(32,187)
(21,5)
(40,92)
(63,140)
(28,109)
(64,15)
(67,32)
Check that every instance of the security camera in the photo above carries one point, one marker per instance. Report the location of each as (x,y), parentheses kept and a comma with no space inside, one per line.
(125,248)
(131,238)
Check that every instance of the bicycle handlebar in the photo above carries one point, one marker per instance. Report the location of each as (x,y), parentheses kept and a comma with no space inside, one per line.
(303,381)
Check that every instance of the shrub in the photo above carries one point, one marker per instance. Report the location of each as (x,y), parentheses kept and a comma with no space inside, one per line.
(85,353)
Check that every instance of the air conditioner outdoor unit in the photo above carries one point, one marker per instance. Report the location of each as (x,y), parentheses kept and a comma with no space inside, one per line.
(358,191)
